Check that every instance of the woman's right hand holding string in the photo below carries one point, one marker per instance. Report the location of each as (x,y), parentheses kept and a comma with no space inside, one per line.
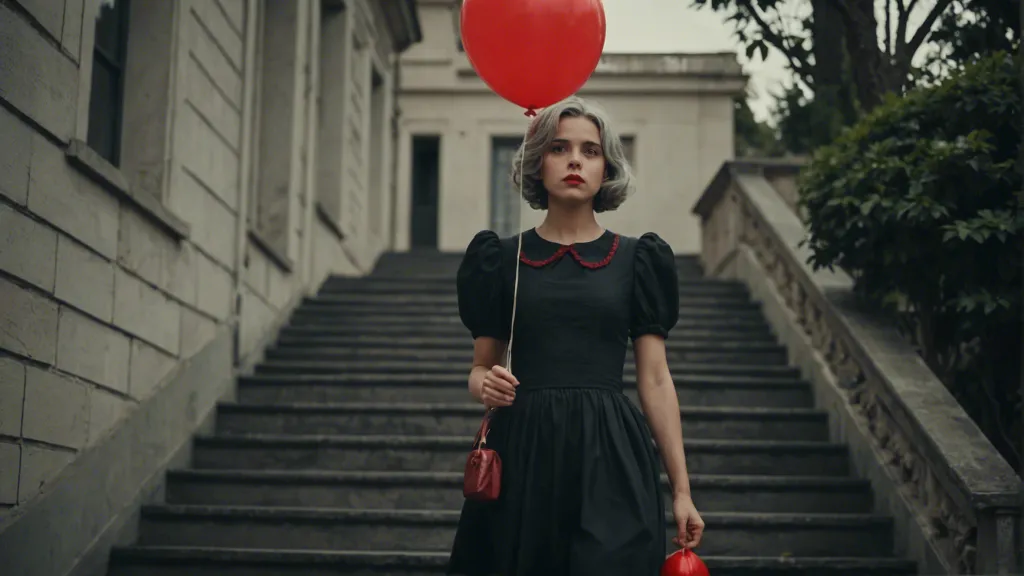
(499,388)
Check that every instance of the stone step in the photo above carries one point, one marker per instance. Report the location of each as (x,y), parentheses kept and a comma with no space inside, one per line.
(408,264)
(771,354)
(408,291)
(380,285)
(464,419)
(735,534)
(448,454)
(425,369)
(402,303)
(342,305)
(687,311)
(371,326)
(414,289)
(692,389)
(447,273)
(209,561)
(443,490)
(766,350)
(330,335)
(445,291)
(414,256)
(414,300)
(458,348)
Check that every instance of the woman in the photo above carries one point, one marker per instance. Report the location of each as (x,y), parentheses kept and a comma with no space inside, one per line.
(581,491)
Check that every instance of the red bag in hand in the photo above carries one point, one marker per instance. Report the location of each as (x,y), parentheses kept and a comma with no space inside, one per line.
(684,563)
(482,478)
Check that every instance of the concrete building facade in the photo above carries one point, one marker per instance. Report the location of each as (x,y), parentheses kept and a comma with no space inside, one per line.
(457,139)
(174,177)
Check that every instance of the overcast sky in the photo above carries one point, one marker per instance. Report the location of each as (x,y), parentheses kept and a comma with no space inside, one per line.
(674,26)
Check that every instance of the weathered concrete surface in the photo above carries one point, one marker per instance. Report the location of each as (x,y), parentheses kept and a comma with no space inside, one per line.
(120,275)
(94,496)
(929,463)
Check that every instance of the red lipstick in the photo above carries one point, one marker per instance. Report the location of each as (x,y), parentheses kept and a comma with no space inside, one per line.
(574,179)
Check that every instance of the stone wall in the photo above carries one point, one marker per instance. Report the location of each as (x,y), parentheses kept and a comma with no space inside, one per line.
(136,283)
(954,500)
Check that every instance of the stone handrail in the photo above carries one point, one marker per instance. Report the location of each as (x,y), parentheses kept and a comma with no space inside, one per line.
(965,498)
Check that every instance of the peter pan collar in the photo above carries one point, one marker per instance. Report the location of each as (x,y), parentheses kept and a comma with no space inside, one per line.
(538,252)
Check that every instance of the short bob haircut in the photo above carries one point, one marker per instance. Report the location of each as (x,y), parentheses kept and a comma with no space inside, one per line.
(530,157)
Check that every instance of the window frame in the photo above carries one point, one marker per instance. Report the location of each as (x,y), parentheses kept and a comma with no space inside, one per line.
(88,161)
(115,121)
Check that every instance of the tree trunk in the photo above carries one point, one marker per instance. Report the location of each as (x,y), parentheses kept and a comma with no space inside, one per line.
(867,62)
(832,104)
(1020,199)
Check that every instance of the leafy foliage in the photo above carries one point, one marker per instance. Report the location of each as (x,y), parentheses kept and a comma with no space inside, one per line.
(918,202)
(760,25)
(845,54)
(972,29)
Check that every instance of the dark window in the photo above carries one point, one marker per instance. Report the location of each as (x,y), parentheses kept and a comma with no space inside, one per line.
(108,66)
(426,169)
(505,198)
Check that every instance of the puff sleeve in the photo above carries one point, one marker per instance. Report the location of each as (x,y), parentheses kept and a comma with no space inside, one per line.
(479,285)
(655,288)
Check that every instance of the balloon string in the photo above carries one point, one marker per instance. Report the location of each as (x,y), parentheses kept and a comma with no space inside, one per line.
(519,252)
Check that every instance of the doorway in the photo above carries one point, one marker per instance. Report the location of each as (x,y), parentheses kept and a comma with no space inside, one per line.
(426,157)
(504,194)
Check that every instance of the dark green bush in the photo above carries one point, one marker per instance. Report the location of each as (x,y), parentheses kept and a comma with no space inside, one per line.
(918,202)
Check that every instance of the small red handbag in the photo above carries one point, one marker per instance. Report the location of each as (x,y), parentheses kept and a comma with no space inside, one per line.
(482,479)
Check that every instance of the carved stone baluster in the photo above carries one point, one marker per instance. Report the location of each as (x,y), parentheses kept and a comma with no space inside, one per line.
(822,331)
(954,531)
(806,313)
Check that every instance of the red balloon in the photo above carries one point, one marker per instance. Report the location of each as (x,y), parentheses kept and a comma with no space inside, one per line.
(684,563)
(533,53)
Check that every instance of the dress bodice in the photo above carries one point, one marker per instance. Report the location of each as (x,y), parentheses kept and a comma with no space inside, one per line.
(577,305)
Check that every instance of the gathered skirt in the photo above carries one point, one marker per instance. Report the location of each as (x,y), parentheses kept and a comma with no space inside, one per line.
(580,491)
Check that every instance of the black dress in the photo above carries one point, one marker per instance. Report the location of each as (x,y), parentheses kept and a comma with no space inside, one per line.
(581,492)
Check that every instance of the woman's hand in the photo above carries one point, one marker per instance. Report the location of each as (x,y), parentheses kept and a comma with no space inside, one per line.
(499,388)
(690,525)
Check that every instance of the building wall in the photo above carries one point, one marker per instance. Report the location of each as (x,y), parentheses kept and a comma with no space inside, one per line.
(677,108)
(128,285)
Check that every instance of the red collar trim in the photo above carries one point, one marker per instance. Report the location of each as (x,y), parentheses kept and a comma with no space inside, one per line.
(571,250)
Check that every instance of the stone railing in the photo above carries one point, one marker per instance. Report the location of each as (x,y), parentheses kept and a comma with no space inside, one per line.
(955,501)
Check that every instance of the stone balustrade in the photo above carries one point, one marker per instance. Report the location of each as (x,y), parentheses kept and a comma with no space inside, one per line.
(955,501)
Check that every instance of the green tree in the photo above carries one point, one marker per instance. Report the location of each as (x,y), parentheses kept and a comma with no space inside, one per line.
(846,67)
(918,202)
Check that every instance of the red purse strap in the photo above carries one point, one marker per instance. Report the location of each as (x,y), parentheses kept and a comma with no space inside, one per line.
(485,426)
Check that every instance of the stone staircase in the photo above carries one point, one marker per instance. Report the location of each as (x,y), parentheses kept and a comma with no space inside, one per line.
(343,454)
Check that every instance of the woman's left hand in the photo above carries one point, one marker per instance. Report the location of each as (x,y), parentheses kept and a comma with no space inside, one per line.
(690,525)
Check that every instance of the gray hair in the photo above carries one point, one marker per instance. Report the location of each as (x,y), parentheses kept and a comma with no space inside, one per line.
(528,160)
